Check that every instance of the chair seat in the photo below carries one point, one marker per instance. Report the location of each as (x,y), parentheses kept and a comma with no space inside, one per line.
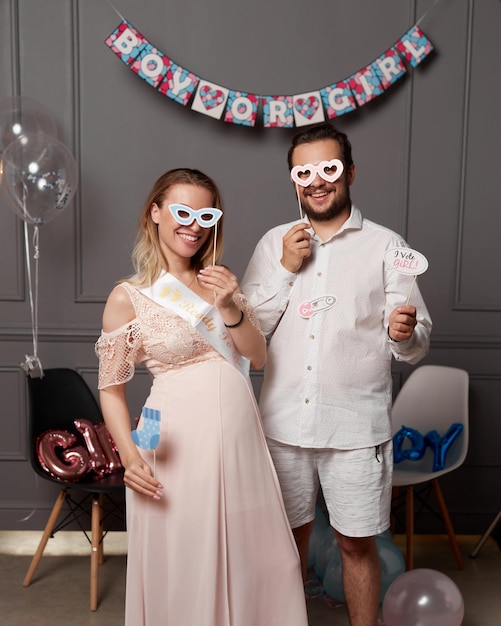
(107,483)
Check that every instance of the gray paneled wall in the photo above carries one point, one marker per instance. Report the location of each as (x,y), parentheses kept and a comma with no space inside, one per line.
(427,155)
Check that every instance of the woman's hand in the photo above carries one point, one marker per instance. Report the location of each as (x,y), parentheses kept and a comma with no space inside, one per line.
(248,340)
(139,477)
(224,284)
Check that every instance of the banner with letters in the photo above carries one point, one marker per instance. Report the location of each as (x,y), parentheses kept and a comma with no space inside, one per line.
(238,106)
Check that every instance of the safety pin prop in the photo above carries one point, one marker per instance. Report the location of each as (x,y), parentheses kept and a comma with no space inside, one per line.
(309,309)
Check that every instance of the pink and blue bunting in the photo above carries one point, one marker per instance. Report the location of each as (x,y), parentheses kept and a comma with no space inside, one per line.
(280,111)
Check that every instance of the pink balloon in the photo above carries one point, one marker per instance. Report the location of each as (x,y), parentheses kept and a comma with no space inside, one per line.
(57,456)
(38,176)
(97,460)
(21,115)
(423,597)
(109,447)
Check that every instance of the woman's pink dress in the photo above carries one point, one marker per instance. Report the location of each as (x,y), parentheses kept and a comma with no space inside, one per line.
(216,550)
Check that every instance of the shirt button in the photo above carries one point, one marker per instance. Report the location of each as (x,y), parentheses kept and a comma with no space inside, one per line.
(307,401)
(291,284)
(309,368)
(312,336)
(319,274)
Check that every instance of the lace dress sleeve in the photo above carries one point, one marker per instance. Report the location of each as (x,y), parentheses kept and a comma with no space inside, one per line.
(245,306)
(117,353)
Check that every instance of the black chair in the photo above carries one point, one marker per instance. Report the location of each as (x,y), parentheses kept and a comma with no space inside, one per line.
(55,401)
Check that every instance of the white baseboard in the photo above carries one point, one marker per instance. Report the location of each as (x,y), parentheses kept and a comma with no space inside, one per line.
(64,542)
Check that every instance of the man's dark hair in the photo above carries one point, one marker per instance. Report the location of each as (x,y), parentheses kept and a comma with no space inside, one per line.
(319,132)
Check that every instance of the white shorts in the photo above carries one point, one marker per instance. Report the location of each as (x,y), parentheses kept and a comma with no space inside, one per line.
(356,485)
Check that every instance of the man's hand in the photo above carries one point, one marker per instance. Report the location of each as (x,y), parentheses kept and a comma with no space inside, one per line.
(296,247)
(402,323)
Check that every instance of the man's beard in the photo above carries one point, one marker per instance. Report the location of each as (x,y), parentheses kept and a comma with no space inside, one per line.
(338,205)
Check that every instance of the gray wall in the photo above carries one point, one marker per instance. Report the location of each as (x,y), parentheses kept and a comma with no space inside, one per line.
(427,155)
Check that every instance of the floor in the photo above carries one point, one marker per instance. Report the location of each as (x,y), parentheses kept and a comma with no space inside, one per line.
(59,593)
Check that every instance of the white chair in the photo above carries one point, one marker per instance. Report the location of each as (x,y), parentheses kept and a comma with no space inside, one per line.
(433,398)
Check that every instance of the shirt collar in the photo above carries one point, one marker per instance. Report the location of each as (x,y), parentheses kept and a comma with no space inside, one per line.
(354,222)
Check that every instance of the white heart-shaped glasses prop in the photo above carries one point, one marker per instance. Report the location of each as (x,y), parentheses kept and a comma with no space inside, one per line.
(330,171)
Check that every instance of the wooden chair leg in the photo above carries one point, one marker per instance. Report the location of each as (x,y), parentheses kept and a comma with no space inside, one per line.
(409,528)
(448,523)
(100,536)
(96,550)
(49,527)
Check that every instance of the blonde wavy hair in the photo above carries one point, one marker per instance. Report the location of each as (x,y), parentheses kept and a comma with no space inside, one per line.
(147,256)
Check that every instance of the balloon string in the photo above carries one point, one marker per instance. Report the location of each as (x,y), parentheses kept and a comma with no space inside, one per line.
(35,508)
(33,298)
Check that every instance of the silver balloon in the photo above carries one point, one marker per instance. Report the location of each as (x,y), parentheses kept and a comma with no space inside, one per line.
(21,115)
(38,175)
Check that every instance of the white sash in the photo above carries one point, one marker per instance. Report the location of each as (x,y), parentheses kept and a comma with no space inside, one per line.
(172,294)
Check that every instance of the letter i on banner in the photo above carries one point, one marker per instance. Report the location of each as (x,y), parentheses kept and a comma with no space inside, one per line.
(365,84)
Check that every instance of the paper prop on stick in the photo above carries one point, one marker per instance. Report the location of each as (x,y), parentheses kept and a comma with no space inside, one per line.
(148,436)
(304,175)
(406,261)
(206,218)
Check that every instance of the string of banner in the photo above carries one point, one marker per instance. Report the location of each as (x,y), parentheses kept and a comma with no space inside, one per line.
(241,107)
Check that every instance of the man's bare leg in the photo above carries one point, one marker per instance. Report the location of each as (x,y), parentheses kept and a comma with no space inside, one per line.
(361,578)
(302,536)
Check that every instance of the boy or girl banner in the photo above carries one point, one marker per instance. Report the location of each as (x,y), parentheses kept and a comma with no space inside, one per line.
(241,107)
